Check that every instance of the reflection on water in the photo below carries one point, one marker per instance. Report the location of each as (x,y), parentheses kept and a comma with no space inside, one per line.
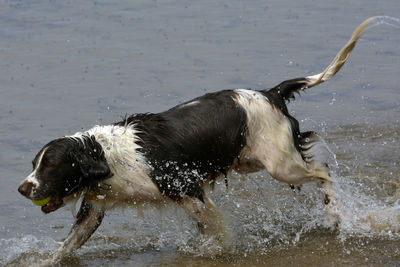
(67,66)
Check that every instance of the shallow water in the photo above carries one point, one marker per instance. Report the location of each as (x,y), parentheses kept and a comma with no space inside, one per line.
(68,65)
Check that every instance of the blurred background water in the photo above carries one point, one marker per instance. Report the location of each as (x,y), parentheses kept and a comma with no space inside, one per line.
(69,65)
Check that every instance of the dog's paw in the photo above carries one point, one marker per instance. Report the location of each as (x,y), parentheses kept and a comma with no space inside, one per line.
(333,215)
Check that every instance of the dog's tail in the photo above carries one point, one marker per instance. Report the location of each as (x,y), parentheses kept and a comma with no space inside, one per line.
(287,88)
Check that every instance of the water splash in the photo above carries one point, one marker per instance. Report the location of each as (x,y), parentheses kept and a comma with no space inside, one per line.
(262,214)
(366,211)
(25,251)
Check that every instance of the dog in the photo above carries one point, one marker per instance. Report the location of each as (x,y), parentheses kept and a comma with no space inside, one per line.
(171,156)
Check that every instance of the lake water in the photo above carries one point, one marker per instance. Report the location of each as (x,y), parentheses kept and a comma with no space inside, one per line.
(68,65)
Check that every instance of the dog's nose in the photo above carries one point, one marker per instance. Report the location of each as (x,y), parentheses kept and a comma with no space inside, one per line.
(25,188)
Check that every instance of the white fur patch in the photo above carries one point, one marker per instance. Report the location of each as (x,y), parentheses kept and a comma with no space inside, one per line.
(31,178)
(270,140)
(130,182)
(192,103)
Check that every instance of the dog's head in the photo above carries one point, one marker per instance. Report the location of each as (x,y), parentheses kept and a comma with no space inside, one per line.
(63,167)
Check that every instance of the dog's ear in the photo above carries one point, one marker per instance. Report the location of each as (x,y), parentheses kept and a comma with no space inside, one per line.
(91,161)
(93,168)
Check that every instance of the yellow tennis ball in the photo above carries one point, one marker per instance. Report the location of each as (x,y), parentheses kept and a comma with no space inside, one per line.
(41,202)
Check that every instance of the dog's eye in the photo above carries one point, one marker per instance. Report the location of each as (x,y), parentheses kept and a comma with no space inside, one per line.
(45,164)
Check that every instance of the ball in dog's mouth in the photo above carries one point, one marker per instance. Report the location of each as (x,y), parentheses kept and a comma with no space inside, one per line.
(41,202)
(49,204)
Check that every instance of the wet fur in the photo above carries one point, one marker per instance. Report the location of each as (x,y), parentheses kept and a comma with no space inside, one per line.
(170,156)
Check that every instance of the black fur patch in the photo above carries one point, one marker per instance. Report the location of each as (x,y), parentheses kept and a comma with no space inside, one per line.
(69,164)
(286,89)
(192,143)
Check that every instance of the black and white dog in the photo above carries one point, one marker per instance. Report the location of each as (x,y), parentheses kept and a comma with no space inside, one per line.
(170,156)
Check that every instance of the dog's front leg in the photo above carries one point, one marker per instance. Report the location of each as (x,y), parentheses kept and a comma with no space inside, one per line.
(209,218)
(88,219)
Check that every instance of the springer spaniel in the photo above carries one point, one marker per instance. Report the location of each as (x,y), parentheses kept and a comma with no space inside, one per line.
(170,156)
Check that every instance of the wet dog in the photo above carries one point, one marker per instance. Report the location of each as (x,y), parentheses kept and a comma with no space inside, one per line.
(171,156)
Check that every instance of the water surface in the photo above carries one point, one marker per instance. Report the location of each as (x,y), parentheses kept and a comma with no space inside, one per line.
(68,65)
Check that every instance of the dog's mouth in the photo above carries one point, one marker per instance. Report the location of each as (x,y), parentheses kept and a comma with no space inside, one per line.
(53,204)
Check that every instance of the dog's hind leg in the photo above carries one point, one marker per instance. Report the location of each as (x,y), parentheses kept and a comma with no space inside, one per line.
(210,219)
(317,155)
(87,221)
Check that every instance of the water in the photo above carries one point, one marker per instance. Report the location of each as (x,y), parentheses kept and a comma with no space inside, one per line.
(68,65)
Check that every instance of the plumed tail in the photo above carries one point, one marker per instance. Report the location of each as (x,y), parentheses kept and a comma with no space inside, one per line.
(341,57)
(287,88)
